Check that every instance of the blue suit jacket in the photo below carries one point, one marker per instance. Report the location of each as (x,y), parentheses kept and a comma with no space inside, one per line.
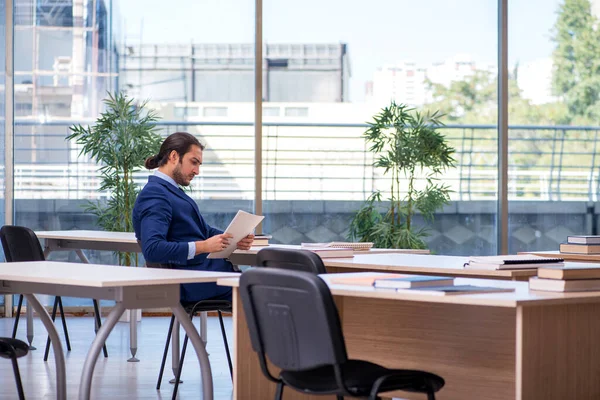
(165,219)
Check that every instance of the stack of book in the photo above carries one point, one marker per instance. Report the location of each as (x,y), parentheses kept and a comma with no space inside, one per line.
(261,240)
(331,252)
(525,261)
(581,244)
(433,285)
(576,277)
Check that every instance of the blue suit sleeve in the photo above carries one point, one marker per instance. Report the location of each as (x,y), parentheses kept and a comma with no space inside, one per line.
(213,231)
(155,214)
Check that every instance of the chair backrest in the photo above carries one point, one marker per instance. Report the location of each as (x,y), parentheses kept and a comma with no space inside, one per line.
(297,260)
(20,244)
(292,319)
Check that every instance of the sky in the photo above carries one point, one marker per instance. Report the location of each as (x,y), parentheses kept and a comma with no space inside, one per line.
(377,32)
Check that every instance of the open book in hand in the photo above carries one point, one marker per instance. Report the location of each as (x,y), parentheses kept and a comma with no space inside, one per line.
(525,261)
(241,226)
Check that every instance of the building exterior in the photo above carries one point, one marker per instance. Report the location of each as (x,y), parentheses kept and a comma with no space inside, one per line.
(225,72)
(406,81)
(67,60)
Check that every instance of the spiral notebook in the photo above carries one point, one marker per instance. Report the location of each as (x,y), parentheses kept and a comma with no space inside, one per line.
(525,261)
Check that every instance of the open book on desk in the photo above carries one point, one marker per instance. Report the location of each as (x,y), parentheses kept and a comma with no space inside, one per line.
(524,261)
(240,226)
(356,246)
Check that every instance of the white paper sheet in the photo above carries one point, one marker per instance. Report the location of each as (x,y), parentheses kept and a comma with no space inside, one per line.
(241,226)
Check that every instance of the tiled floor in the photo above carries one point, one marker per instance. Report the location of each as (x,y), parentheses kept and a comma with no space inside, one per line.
(114,377)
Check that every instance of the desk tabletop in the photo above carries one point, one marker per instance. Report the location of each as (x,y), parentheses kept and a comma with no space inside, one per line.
(255,249)
(566,256)
(96,236)
(522,296)
(422,264)
(94,275)
(129,237)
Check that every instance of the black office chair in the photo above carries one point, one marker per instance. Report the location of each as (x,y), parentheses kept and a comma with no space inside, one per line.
(12,349)
(20,244)
(297,260)
(220,306)
(292,319)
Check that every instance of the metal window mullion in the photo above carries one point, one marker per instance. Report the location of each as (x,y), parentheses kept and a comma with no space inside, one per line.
(8,130)
(258,95)
(502,210)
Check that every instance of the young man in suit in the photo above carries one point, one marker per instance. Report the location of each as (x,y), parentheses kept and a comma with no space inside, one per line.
(168,222)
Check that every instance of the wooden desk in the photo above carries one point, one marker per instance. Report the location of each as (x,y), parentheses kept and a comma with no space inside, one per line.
(129,287)
(420,264)
(248,257)
(522,345)
(399,260)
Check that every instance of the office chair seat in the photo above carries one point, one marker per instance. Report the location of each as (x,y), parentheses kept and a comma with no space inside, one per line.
(9,345)
(359,377)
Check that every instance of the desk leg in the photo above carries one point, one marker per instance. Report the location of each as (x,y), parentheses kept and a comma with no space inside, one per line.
(30,324)
(59,356)
(133,335)
(204,327)
(184,320)
(85,386)
(175,349)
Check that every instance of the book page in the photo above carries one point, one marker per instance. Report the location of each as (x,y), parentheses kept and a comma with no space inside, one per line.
(241,226)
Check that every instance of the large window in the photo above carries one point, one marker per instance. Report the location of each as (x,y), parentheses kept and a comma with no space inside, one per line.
(332,78)
(64,65)
(554,112)
(199,80)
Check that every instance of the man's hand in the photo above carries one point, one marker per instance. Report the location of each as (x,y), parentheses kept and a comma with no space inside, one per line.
(213,244)
(246,242)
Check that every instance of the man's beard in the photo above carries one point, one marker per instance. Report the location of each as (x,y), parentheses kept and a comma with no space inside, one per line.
(178,177)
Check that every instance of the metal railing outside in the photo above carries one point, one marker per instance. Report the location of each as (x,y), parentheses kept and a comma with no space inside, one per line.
(313,161)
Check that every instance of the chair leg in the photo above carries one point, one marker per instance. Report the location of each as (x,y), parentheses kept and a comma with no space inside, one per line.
(181,358)
(338,397)
(98,324)
(53,317)
(279,391)
(224,334)
(430,395)
(178,377)
(64,323)
(164,358)
(14,333)
(18,379)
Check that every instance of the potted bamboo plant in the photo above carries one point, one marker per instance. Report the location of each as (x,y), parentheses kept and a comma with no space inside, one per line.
(119,142)
(410,149)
